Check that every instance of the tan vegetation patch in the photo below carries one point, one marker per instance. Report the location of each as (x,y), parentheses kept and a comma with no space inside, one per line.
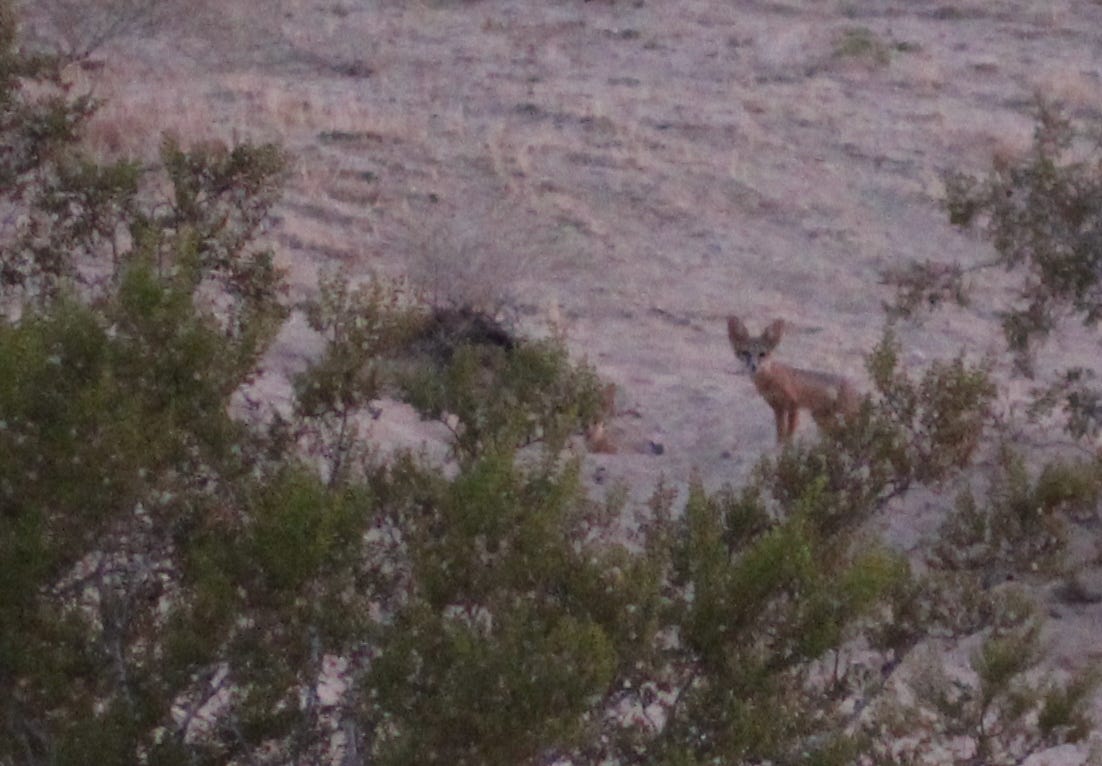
(1076,89)
(131,126)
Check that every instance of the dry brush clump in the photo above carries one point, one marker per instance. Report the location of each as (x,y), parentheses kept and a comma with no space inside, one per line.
(472,260)
(80,28)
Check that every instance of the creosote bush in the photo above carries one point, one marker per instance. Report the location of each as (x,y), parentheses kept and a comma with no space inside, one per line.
(862,44)
(363,326)
(183,588)
(1043,216)
(496,398)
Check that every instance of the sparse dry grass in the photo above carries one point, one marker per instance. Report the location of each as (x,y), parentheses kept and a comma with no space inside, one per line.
(922,72)
(607,157)
(1072,88)
(130,124)
(475,259)
(990,138)
(790,50)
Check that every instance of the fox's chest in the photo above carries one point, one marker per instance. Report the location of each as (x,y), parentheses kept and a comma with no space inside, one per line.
(772,389)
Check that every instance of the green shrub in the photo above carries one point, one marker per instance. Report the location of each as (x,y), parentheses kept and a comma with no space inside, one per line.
(1042,215)
(862,44)
(505,397)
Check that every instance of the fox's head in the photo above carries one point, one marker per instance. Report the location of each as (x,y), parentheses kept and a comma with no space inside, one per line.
(753,350)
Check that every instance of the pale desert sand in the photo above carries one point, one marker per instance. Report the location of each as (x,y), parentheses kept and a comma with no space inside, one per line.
(631,172)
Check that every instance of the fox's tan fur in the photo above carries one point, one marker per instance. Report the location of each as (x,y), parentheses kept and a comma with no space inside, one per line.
(789,389)
(597,439)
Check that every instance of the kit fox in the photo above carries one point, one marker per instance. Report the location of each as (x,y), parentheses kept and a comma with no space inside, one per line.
(789,389)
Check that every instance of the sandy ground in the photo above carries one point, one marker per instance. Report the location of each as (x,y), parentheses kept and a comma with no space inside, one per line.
(632,172)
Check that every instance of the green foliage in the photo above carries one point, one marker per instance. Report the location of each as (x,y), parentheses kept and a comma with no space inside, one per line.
(1021,524)
(495,393)
(1007,709)
(916,432)
(33,129)
(89,226)
(512,619)
(501,397)
(1042,215)
(1069,487)
(774,580)
(941,418)
(862,44)
(1076,394)
(1063,716)
(1007,714)
(756,609)
(298,530)
(365,328)
(114,437)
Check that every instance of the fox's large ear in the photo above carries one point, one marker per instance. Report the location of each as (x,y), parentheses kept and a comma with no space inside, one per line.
(736,330)
(773,332)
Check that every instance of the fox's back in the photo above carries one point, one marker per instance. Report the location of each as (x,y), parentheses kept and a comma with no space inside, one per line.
(820,391)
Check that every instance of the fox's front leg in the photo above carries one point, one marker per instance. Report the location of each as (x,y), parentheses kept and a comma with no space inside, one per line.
(780,417)
(793,421)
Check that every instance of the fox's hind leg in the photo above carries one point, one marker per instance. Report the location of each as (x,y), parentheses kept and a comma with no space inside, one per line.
(829,419)
(780,417)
